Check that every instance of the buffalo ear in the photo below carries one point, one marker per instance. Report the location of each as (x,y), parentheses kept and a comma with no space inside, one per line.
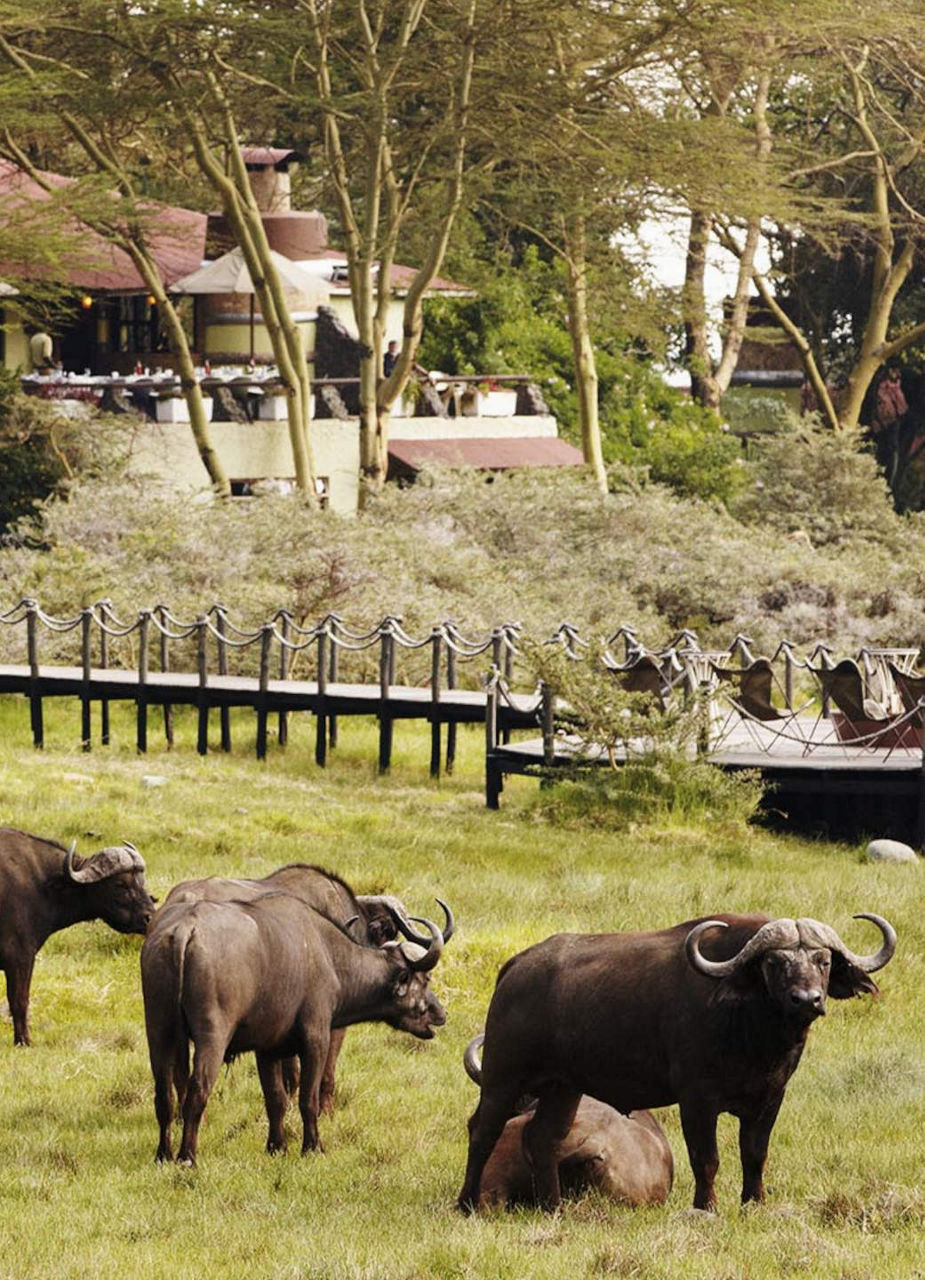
(847,980)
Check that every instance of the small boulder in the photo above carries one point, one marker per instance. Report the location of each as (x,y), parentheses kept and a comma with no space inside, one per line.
(890,851)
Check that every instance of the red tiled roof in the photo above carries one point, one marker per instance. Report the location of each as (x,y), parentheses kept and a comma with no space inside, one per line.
(177,240)
(487,453)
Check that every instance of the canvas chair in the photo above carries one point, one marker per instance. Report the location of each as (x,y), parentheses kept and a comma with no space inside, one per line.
(749,692)
(864,722)
(910,685)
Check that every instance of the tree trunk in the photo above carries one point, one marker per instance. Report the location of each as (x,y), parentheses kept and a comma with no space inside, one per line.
(583,350)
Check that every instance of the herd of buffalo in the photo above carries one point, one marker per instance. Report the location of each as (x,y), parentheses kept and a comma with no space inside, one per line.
(583,1034)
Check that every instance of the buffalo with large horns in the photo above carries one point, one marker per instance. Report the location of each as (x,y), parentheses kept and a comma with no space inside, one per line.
(626,1158)
(377,919)
(45,887)
(272,976)
(712,1014)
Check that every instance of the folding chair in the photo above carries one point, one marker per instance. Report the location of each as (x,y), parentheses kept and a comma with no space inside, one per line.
(859,720)
(910,686)
(752,705)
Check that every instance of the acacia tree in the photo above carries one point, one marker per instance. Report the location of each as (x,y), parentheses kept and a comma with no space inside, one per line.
(54,82)
(393,88)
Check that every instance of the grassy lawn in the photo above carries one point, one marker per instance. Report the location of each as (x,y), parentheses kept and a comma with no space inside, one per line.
(80,1193)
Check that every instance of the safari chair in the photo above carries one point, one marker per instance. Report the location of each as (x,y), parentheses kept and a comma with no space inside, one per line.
(910,685)
(859,720)
(643,674)
(749,693)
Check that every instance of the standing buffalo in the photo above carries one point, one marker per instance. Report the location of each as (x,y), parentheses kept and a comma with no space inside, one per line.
(379,918)
(627,1158)
(273,976)
(45,887)
(646,1020)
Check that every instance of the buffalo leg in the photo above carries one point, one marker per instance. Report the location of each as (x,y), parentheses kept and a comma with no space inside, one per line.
(207,1062)
(327,1075)
(550,1126)
(699,1125)
(275,1099)
(18,981)
(485,1127)
(312,1058)
(754,1135)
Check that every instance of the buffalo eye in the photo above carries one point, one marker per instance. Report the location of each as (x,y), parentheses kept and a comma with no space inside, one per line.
(822,959)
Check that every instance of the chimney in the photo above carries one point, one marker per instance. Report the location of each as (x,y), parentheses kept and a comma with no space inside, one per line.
(268,169)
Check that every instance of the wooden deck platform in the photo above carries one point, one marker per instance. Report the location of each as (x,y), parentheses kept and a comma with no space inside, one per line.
(830,787)
(446,707)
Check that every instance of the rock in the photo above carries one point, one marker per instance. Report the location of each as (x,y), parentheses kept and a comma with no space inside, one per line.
(890,851)
(153,780)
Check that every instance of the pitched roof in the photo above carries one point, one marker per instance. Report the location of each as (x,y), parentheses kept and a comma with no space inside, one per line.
(487,454)
(176,239)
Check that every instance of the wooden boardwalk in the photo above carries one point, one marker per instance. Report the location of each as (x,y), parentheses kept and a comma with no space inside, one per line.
(832,787)
(265,696)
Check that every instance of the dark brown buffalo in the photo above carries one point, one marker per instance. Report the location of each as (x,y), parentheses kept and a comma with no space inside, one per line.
(379,918)
(626,1158)
(272,976)
(45,887)
(646,1020)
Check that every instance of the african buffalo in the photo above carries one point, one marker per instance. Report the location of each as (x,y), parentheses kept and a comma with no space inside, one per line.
(647,1020)
(627,1158)
(379,918)
(273,976)
(45,887)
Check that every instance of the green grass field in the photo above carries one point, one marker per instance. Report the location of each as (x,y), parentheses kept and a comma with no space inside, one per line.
(80,1194)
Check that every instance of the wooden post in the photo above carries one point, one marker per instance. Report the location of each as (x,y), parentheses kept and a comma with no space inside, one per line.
(141,702)
(321,719)
(494,779)
(285,631)
(436,642)
(161,614)
(86,728)
(104,664)
(222,646)
(920,822)
(547,719)
(35,697)
(451,726)
(333,663)
(386,667)
(703,714)
(266,638)
(202,667)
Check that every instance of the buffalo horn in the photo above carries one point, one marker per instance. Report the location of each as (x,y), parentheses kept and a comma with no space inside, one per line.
(428,957)
(817,934)
(773,936)
(108,862)
(471,1060)
(449,922)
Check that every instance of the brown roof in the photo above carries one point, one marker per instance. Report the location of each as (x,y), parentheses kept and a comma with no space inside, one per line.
(487,453)
(177,240)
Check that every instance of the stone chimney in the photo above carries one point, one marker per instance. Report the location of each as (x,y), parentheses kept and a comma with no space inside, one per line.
(268,168)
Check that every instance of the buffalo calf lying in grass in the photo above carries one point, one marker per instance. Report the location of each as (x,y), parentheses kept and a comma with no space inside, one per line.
(272,976)
(625,1157)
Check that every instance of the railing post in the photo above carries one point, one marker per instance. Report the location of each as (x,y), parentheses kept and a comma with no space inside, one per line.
(548,723)
(202,668)
(141,702)
(321,719)
(222,648)
(86,728)
(494,778)
(386,667)
(333,665)
(161,614)
(104,664)
(451,725)
(285,631)
(35,697)
(436,639)
(266,637)
(920,817)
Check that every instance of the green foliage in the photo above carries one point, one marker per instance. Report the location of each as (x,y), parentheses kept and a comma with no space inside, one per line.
(818,482)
